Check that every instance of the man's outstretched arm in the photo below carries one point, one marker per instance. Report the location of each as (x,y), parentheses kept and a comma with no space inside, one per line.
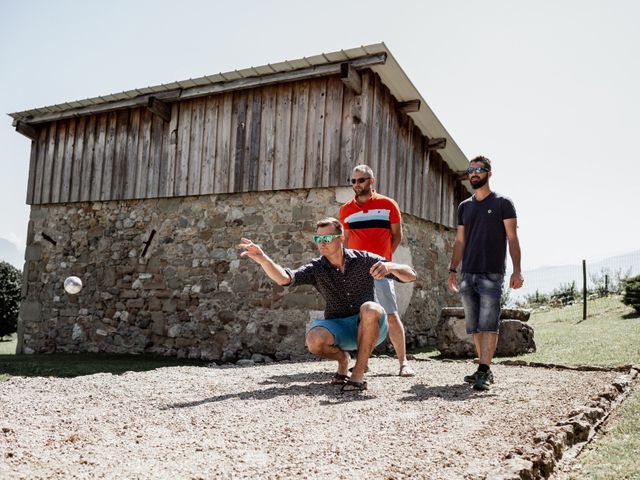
(271,268)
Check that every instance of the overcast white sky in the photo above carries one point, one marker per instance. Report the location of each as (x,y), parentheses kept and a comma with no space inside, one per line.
(549,90)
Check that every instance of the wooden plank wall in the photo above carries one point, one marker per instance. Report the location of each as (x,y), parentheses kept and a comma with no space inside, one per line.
(304,134)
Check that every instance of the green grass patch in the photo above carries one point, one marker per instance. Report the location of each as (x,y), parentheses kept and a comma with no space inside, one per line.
(611,338)
(74,365)
(8,345)
(614,454)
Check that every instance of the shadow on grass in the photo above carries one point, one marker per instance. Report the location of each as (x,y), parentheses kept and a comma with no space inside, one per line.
(74,365)
(631,315)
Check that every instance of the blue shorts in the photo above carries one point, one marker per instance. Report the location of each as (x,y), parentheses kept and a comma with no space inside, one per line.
(345,330)
(480,294)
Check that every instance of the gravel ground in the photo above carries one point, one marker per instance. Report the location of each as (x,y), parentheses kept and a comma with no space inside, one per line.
(280,421)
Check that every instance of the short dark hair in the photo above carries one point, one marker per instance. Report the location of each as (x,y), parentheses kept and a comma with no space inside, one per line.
(325,222)
(484,160)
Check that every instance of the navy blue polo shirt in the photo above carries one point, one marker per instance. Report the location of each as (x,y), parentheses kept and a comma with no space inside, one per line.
(485,238)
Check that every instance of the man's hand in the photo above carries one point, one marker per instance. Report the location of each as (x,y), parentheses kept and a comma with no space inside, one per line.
(379,270)
(516,280)
(452,281)
(251,250)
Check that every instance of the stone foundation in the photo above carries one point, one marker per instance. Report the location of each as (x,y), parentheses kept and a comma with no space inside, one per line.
(164,276)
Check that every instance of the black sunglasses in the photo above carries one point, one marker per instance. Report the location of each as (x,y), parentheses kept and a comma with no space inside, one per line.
(359,180)
(477,170)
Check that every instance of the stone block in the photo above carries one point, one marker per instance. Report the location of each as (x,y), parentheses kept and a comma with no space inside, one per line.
(515,338)
(31,311)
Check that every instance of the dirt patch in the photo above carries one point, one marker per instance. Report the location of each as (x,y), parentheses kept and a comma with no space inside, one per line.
(283,421)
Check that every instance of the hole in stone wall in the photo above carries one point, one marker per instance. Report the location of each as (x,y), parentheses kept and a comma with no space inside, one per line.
(48,238)
(148,242)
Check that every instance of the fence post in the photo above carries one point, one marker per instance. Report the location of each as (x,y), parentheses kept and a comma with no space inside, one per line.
(584,289)
(606,285)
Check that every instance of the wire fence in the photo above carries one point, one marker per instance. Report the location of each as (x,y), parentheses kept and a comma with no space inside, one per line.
(578,291)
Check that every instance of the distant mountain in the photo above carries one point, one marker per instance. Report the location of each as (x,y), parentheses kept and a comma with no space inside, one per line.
(9,253)
(547,279)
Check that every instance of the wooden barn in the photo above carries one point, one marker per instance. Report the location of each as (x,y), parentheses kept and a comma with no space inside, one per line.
(143,194)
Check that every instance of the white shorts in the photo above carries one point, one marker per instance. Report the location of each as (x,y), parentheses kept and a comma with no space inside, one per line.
(386,295)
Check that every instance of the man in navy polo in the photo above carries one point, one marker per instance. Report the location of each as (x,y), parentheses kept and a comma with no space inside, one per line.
(486,224)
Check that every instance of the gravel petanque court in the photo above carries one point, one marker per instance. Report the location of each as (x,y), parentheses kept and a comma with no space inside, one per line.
(281,420)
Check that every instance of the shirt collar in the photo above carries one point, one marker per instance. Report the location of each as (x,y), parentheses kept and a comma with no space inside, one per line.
(348,255)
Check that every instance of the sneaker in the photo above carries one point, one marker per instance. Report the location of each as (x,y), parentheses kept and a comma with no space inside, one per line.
(472,378)
(483,380)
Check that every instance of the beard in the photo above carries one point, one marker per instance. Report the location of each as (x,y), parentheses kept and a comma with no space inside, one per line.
(364,190)
(479,183)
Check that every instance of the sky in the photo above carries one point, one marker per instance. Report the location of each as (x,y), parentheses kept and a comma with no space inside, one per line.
(549,90)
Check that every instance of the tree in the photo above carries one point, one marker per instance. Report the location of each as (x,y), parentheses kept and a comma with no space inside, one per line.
(10,291)
(631,295)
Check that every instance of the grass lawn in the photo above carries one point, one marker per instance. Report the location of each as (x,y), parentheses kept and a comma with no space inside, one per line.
(609,339)
(8,345)
(73,365)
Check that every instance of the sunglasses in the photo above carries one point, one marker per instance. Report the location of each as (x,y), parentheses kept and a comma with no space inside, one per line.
(325,238)
(359,180)
(477,170)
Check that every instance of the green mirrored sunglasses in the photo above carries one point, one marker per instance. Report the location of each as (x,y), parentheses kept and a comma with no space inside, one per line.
(325,238)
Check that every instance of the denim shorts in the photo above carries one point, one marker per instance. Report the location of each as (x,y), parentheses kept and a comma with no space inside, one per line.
(345,330)
(480,294)
(386,295)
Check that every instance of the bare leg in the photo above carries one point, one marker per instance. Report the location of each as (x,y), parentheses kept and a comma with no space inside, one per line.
(476,342)
(396,335)
(320,342)
(488,342)
(368,331)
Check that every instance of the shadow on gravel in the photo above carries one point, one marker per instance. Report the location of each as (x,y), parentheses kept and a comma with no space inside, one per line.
(310,390)
(453,393)
(298,377)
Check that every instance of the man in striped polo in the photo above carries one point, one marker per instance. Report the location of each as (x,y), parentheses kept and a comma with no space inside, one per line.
(372,222)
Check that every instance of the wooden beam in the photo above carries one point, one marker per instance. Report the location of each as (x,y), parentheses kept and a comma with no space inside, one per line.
(213,89)
(160,108)
(411,106)
(350,77)
(437,143)
(26,130)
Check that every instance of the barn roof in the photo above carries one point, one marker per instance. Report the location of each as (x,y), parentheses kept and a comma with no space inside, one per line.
(377,57)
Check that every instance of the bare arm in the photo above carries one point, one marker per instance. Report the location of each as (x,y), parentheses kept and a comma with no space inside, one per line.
(396,235)
(511,226)
(402,272)
(271,268)
(458,250)
(346,237)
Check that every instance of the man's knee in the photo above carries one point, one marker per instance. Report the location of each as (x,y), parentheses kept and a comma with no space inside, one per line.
(317,339)
(370,312)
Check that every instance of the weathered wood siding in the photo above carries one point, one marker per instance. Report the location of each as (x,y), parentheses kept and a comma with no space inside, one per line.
(303,134)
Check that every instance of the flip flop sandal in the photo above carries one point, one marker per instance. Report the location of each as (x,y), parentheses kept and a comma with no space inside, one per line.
(353,386)
(406,371)
(339,379)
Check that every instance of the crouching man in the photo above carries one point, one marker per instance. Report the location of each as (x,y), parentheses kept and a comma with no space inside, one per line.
(345,278)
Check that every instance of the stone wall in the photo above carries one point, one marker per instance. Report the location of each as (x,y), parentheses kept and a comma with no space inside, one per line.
(190,294)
